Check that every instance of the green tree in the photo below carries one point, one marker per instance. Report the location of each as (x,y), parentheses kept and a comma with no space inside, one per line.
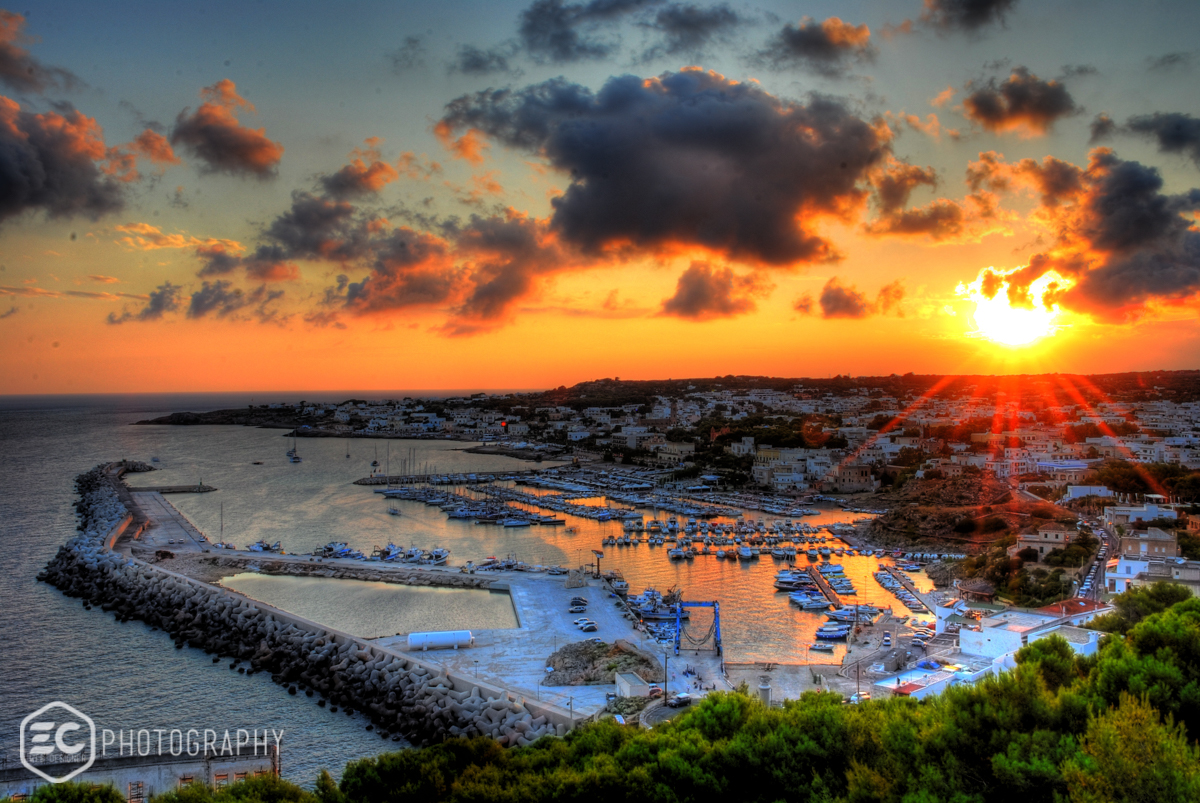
(267,789)
(72,792)
(1139,602)
(1053,658)
(1130,754)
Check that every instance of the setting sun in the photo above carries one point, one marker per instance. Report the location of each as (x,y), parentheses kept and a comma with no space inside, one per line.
(997,319)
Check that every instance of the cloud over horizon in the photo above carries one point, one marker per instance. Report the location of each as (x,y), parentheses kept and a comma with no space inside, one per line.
(214,135)
(688,159)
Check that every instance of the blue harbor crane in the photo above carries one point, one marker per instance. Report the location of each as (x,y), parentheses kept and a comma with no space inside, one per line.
(714,631)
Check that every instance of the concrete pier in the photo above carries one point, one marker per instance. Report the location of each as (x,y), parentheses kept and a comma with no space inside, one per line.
(175,489)
(400,480)
(823,584)
(912,589)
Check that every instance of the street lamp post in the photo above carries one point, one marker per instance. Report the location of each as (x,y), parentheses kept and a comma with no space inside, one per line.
(477,670)
(666,674)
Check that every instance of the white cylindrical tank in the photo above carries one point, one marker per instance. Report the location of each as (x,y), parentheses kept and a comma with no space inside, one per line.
(764,691)
(440,641)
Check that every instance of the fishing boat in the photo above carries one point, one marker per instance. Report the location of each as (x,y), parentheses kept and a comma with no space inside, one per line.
(820,647)
(832,635)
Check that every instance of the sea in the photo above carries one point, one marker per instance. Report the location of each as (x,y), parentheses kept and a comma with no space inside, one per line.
(126,676)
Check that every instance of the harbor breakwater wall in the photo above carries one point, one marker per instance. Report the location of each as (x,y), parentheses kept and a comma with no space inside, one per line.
(400,695)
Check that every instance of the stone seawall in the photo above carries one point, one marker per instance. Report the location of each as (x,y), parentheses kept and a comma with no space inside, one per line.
(400,695)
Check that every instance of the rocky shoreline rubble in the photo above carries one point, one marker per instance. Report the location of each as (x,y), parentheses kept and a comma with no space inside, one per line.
(400,696)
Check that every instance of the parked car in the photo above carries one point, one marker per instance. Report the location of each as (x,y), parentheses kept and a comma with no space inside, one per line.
(577,609)
(679,701)
(583,620)
(655,691)
(855,699)
(588,628)
(579,601)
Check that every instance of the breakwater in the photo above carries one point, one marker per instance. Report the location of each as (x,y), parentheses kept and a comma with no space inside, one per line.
(401,696)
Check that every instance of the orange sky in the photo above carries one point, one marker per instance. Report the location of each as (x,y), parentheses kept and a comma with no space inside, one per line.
(367,218)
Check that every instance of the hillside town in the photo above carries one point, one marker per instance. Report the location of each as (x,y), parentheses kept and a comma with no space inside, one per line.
(803,439)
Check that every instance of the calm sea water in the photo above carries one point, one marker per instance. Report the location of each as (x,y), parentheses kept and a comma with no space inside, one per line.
(126,676)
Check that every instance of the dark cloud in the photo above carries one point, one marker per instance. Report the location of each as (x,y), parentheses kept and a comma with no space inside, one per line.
(1102,128)
(48,162)
(409,56)
(966,15)
(560,33)
(1170,61)
(1057,181)
(844,302)
(162,300)
(506,259)
(318,227)
(1175,132)
(268,263)
(828,48)
(18,69)
(939,220)
(689,29)
(410,268)
(366,174)
(1023,101)
(1079,70)
(839,301)
(218,260)
(687,159)
(223,300)
(472,60)
(894,185)
(1120,243)
(214,135)
(704,292)
(11,312)
(219,297)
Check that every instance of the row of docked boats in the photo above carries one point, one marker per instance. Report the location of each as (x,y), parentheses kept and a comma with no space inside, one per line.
(900,591)
(468,508)
(559,504)
(388,554)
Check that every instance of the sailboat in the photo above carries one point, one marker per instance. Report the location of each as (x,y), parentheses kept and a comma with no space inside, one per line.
(374,462)
(295,453)
(347,448)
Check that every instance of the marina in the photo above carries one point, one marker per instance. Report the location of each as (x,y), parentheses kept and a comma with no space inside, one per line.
(309,506)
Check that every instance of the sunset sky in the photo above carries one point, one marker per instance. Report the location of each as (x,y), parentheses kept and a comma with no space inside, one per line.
(261,195)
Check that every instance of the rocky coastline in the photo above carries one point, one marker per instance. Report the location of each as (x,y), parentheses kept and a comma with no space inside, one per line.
(402,697)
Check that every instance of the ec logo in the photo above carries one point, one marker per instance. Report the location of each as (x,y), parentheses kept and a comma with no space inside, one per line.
(57,727)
